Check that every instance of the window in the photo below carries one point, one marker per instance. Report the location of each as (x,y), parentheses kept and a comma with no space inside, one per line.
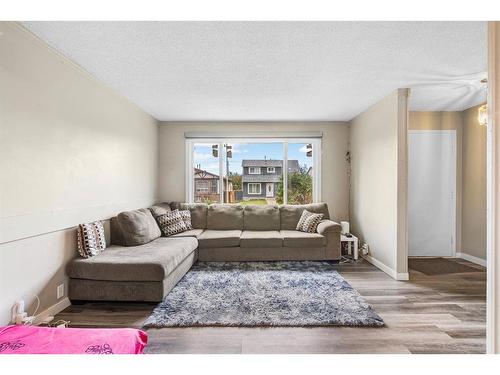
(253,171)
(254,188)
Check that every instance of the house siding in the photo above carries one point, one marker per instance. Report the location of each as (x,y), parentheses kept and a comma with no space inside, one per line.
(263,171)
(262,194)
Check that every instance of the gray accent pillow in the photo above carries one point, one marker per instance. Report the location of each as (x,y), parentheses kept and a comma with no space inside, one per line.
(290,214)
(160,209)
(171,223)
(198,213)
(225,216)
(308,222)
(133,228)
(261,217)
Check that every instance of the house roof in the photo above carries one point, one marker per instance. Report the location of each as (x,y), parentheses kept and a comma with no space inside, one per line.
(201,173)
(261,163)
(261,178)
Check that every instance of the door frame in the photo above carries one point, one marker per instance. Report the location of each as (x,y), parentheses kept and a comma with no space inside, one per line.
(454,176)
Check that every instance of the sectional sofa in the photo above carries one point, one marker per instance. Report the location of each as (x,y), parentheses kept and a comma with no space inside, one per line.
(141,265)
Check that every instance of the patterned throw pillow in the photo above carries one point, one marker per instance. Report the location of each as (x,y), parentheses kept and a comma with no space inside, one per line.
(91,240)
(171,223)
(309,222)
(186,217)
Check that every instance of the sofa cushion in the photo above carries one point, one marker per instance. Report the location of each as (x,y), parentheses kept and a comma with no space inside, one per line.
(225,217)
(160,209)
(150,262)
(133,228)
(261,217)
(293,238)
(190,233)
(290,214)
(198,213)
(219,238)
(261,238)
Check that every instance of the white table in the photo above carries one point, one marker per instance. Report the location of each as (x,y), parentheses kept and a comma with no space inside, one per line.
(350,241)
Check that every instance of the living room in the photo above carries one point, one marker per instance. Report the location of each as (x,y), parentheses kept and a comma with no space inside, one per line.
(248,187)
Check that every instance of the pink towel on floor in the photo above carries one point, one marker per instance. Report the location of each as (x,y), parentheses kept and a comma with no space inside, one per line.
(47,340)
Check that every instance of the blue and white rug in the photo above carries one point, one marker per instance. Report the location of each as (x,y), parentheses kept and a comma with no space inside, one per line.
(263,294)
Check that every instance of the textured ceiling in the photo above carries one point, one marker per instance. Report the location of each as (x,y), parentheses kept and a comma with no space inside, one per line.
(252,71)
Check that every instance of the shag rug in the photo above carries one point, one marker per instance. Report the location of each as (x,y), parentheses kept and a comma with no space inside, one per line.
(263,294)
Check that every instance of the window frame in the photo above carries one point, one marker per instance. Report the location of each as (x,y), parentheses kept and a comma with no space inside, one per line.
(271,170)
(259,184)
(259,170)
(220,141)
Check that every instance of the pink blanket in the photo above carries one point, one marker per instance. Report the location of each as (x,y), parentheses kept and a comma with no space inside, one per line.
(46,340)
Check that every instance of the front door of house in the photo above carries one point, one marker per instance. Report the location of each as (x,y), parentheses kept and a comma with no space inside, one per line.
(269,190)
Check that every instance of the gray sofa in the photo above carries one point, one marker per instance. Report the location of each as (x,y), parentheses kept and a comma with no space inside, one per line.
(140,265)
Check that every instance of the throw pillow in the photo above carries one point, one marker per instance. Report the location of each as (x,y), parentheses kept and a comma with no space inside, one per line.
(309,222)
(186,217)
(91,240)
(171,223)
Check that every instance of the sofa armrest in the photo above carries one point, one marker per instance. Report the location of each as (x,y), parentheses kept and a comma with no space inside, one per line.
(331,231)
(328,226)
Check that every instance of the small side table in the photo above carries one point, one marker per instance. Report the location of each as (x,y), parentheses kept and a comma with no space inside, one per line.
(350,241)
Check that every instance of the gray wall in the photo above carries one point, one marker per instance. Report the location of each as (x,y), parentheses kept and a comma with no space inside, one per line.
(376,207)
(334,185)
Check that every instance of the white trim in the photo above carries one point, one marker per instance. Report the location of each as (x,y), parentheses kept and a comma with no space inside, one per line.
(472,259)
(284,172)
(492,190)
(221,173)
(271,169)
(250,170)
(314,140)
(256,184)
(403,276)
(52,310)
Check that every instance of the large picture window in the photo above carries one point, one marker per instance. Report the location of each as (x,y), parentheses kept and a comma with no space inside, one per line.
(253,171)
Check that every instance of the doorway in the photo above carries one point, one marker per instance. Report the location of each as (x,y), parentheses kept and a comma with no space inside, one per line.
(269,190)
(432,168)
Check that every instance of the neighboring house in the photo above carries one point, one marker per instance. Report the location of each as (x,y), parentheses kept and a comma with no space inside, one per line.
(206,186)
(261,177)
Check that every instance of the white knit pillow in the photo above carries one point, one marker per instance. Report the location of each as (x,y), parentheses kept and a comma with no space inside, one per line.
(91,240)
(171,223)
(309,222)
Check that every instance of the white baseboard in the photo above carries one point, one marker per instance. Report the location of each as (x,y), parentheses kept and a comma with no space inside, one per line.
(52,310)
(388,270)
(472,259)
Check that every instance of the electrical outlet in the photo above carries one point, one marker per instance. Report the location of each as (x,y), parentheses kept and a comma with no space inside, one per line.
(60,291)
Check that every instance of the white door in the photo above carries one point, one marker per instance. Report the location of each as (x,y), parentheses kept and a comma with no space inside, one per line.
(269,190)
(431,192)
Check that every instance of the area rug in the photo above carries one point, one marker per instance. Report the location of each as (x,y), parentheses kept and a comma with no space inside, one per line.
(263,294)
(440,266)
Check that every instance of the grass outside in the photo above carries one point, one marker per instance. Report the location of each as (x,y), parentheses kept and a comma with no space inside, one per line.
(254,202)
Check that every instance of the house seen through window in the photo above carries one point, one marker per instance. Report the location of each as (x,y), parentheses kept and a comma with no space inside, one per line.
(253,172)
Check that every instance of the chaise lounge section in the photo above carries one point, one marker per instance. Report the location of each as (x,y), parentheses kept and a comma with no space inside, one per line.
(140,265)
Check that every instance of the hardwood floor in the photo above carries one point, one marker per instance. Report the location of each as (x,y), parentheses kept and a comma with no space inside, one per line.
(428,314)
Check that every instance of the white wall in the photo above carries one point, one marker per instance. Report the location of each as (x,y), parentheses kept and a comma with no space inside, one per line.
(334,184)
(71,151)
(377,178)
